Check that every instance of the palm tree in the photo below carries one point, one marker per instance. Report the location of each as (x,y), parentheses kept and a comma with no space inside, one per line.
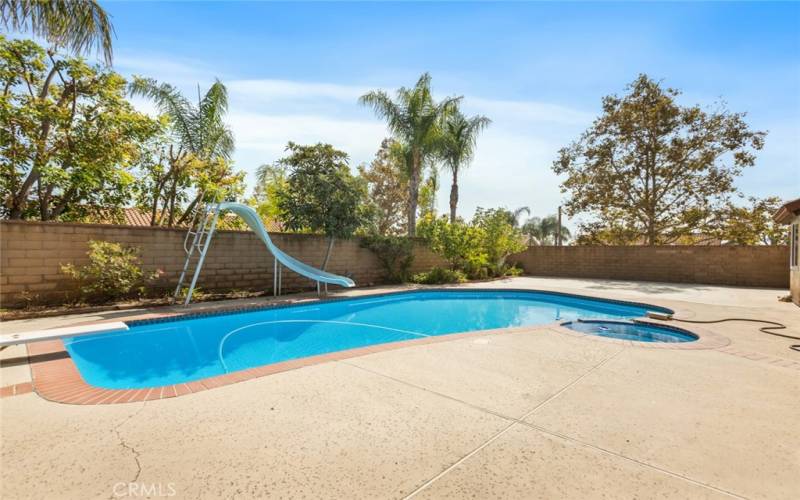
(459,137)
(80,25)
(543,231)
(516,214)
(413,119)
(199,130)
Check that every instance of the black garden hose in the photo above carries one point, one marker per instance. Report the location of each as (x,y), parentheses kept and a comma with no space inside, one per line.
(765,329)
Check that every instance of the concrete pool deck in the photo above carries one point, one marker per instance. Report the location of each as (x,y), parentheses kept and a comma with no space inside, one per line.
(536,414)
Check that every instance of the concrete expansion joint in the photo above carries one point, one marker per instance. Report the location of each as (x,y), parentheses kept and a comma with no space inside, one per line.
(513,421)
(511,425)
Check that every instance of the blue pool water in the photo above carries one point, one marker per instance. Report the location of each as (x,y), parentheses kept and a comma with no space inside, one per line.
(171,352)
(639,332)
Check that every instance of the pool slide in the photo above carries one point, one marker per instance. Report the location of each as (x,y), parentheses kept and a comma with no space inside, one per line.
(252,219)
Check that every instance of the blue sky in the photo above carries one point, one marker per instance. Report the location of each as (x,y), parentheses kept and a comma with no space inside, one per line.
(538,70)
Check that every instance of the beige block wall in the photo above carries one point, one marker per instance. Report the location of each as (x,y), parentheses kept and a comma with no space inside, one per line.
(31,255)
(754,266)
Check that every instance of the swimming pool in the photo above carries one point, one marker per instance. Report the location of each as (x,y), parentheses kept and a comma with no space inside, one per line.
(152,354)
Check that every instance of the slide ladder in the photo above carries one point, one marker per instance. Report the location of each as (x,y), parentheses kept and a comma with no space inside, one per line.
(202,229)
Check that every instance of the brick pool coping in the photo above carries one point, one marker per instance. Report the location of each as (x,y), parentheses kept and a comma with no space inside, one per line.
(56,377)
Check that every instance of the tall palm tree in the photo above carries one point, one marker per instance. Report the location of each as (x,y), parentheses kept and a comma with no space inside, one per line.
(199,130)
(414,120)
(459,138)
(80,25)
(516,214)
(543,231)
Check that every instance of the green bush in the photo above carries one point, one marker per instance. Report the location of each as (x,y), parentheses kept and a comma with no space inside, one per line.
(439,276)
(513,271)
(458,243)
(114,271)
(478,248)
(500,238)
(395,253)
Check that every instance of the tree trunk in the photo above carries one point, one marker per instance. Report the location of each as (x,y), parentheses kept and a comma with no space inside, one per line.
(413,194)
(19,200)
(328,253)
(189,209)
(454,196)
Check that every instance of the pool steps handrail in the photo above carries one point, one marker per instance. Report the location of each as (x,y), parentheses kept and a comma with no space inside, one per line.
(201,240)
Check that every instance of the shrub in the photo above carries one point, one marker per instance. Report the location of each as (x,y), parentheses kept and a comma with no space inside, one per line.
(114,271)
(500,238)
(513,271)
(479,248)
(439,276)
(395,253)
(458,243)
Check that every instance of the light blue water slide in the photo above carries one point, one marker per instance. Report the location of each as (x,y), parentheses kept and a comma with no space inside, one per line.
(201,239)
(252,219)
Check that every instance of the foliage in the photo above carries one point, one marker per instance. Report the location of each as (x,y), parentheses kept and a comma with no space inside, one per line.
(387,189)
(543,230)
(651,170)
(479,248)
(320,193)
(513,271)
(500,237)
(439,276)
(192,152)
(458,243)
(414,119)
(751,225)
(459,138)
(271,180)
(114,271)
(79,25)
(427,194)
(67,135)
(395,253)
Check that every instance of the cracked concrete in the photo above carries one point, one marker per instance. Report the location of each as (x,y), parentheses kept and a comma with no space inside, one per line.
(526,415)
(124,444)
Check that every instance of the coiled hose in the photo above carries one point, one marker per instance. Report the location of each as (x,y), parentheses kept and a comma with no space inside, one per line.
(774,325)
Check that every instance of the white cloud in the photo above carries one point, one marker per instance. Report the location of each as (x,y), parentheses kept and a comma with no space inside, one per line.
(511,167)
(262,137)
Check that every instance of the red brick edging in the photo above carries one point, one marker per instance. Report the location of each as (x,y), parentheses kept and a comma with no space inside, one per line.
(57,379)
(16,389)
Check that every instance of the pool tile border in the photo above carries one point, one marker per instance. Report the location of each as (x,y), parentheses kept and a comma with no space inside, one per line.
(58,379)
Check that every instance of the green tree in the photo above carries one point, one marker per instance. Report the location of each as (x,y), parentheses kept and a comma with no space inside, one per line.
(751,225)
(271,181)
(459,139)
(458,243)
(653,170)
(68,136)
(427,193)
(500,238)
(321,194)
(199,142)
(414,119)
(387,189)
(79,25)
(543,230)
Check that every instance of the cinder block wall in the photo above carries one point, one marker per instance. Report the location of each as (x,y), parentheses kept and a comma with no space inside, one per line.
(31,255)
(755,266)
